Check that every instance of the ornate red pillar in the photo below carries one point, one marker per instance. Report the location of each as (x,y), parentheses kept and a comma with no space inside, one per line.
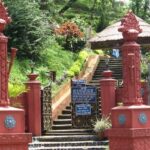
(3,65)
(131,122)
(12,121)
(108,87)
(131,61)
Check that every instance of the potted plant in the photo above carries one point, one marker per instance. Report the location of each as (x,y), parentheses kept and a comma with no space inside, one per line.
(101,125)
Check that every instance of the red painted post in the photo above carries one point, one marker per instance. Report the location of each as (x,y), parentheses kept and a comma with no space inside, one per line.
(3,73)
(34,105)
(108,87)
(131,122)
(12,120)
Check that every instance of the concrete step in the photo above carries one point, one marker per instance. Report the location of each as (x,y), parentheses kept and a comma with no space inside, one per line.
(66,144)
(72,148)
(63,121)
(98,77)
(67,111)
(110,64)
(72,131)
(68,107)
(99,71)
(112,68)
(66,138)
(64,116)
(61,126)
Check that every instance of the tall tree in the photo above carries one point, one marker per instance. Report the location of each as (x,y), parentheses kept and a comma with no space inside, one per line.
(146,9)
(67,6)
(107,11)
(29,28)
(141,8)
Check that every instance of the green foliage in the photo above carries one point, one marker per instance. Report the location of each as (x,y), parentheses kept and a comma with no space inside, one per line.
(52,58)
(80,21)
(99,52)
(105,11)
(67,6)
(102,124)
(43,74)
(31,33)
(144,70)
(144,65)
(15,89)
(56,58)
(78,64)
(74,70)
(19,70)
(29,28)
(141,8)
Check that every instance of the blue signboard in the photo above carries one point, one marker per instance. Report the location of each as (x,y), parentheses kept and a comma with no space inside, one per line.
(84,94)
(83,109)
(78,82)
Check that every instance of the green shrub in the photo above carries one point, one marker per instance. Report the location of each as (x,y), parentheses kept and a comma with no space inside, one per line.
(19,71)
(74,70)
(83,55)
(56,58)
(78,64)
(99,52)
(15,89)
(43,74)
(102,124)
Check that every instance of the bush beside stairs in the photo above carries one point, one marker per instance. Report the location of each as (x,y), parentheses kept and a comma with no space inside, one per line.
(63,136)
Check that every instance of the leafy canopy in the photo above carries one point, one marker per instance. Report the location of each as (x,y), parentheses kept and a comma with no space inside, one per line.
(29,27)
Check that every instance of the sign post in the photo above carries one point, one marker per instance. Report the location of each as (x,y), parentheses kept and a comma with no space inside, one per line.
(84,104)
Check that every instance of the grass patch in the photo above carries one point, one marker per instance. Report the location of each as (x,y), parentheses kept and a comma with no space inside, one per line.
(52,58)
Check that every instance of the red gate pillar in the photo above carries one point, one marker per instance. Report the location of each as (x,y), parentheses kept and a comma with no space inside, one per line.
(12,120)
(107,92)
(131,122)
(34,105)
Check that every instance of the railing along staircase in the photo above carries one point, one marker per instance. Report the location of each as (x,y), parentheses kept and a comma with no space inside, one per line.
(63,136)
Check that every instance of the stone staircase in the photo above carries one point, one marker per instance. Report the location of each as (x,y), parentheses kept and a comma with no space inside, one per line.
(63,136)
(115,65)
(64,120)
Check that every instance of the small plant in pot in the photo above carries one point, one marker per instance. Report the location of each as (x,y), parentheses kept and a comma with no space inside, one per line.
(101,125)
